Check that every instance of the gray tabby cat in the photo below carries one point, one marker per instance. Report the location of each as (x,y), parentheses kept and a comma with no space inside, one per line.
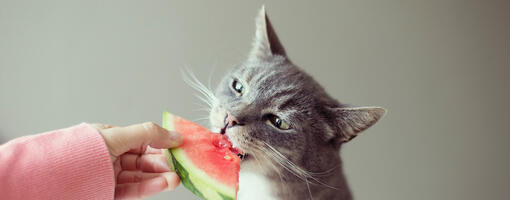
(288,127)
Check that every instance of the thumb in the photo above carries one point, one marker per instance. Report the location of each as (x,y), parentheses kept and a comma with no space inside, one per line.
(137,137)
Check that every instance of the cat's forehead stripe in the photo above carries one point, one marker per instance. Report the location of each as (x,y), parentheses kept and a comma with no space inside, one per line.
(288,104)
(262,77)
(249,73)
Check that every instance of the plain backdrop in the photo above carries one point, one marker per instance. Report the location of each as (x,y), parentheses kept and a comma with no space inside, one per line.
(440,67)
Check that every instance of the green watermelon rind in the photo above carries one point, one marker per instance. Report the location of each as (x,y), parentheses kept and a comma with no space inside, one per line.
(198,182)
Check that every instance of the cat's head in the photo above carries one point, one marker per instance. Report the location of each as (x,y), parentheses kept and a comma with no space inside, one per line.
(271,109)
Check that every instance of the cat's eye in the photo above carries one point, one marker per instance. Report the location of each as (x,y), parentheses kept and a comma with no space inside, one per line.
(238,87)
(278,122)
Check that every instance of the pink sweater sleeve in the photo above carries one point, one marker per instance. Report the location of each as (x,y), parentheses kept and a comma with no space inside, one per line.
(71,163)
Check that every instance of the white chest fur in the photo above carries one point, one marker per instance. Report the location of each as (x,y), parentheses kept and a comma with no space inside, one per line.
(254,187)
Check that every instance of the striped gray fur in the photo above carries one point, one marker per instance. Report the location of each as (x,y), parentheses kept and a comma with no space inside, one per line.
(302,162)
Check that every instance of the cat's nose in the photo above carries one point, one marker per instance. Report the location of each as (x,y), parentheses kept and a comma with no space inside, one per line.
(231,120)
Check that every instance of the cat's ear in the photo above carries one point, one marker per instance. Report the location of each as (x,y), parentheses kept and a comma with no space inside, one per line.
(266,42)
(352,121)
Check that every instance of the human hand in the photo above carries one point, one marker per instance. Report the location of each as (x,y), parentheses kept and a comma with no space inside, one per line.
(139,162)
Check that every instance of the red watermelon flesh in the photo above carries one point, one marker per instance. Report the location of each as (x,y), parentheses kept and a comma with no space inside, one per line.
(211,152)
(204,152)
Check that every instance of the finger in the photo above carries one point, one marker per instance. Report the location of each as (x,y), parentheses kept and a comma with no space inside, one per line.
(116,167)
(144,162)
(134,176)
(151,150)
(99,126)
(148,150)
(148,187)
(123,139)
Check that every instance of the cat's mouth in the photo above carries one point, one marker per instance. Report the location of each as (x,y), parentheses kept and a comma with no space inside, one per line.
(237,150)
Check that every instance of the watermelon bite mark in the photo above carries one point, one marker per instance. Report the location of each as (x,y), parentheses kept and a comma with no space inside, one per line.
(240,153)
(206,162)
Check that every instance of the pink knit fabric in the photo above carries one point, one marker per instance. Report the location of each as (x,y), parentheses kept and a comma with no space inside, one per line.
(71,163)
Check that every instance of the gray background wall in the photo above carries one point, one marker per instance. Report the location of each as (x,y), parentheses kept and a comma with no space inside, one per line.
(441,68)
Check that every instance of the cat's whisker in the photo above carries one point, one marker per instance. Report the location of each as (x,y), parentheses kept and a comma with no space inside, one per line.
(279,161)
(204,100)
(205,95)
(297,175)
(201,110)
(304,178)
(306,173)
(308,187)
(210,77)
(293,168)
(201,106)
(287,161)
(258,162)
(277,171)
(325,172)
(190,78)
(200,119)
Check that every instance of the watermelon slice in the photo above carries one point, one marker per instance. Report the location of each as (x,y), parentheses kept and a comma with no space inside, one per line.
(206,162)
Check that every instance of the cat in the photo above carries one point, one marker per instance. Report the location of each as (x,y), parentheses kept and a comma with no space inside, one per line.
(289,129)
